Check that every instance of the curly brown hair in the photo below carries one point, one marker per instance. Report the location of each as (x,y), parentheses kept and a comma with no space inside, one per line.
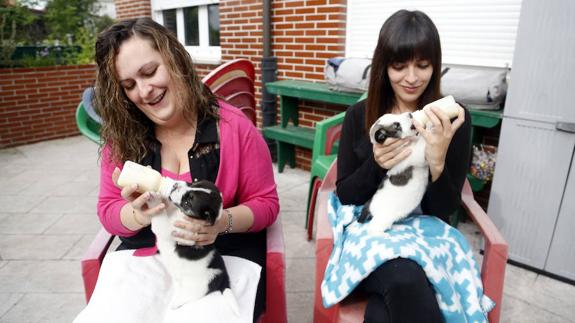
(125,128)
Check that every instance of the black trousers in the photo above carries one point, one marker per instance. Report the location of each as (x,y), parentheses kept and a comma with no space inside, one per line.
(398,291)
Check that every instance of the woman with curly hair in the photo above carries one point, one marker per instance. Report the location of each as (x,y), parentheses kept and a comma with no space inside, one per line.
(157,112)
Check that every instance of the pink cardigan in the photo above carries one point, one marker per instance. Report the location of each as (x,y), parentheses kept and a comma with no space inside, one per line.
(245,175)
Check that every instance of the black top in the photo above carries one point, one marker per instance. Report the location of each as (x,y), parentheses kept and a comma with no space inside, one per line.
(359,175)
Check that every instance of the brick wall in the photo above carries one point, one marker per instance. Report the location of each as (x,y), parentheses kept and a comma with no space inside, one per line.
(132,9)
(38,104)
(305,34)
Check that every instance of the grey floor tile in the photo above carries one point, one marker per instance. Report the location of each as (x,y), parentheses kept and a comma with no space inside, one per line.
(45,308)
(300,275)
(298,246)
(75,223)
(28,223)
(78,250)
(48,276)
(18,203)
(35,247)
(516,310)
(300,307)
(66,204)
(7,300)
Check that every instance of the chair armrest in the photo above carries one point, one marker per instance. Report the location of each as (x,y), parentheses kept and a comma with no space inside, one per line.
(495,253)
(322,137)
(275,276)
(92,260)
(323,246)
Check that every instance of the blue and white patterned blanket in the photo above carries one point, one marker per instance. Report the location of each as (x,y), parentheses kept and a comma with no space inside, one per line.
(438,248)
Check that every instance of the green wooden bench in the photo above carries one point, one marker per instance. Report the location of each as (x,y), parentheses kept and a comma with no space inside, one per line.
(287,135)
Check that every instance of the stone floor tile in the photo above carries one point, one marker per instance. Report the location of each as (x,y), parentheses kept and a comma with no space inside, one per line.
(36,247)
(300,275)
(48,276)
(18,203)
(516,310)
(45,308)
(28,223)
(75,223)
(7,300)
(300,307)
(78,250)
(66,204)
(298,246)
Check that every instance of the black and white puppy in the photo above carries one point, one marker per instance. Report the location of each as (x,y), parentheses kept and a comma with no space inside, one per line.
(196,270)
(402,188)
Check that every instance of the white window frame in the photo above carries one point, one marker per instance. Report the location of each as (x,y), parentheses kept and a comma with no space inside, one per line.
(488,41)
(204,53)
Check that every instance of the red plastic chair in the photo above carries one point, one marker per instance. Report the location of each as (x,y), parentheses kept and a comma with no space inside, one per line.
(352,308)
(234,83)
(239,75)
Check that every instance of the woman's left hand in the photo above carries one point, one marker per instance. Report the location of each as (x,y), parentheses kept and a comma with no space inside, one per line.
(438,137)
(192,232)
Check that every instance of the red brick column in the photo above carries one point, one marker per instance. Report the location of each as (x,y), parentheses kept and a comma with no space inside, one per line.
(306,34)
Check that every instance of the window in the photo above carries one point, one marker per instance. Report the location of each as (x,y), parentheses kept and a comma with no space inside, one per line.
(196,23)
(473,32)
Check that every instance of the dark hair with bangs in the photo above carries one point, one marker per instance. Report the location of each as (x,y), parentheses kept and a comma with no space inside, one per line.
(405,35)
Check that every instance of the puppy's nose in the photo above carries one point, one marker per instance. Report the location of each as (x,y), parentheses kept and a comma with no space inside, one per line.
(379,136)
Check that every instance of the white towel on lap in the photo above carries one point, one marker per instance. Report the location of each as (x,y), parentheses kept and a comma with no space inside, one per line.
(139,289)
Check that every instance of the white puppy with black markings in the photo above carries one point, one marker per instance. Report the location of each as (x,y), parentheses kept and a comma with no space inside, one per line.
(404,185)
(196,270)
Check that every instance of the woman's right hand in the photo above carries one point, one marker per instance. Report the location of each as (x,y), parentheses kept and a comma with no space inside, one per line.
(143,213)
(391,152)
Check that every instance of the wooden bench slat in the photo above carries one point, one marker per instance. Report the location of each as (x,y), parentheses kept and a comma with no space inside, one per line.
(311,91)
(299,136)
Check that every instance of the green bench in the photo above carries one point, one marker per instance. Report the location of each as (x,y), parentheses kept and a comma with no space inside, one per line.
(289,135)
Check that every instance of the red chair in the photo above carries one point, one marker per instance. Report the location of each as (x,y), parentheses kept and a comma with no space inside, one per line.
(237,74)
(234,83)
(352,308)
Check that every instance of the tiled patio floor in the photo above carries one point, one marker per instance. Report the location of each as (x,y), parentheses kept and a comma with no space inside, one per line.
(48,195)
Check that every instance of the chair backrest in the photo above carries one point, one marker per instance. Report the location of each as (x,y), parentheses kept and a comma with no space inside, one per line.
(234,83)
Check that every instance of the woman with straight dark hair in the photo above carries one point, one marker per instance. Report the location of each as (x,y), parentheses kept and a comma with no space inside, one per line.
(405,76)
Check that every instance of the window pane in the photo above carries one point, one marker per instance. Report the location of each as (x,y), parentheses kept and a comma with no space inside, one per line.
(191,25)
(170,20)
(214,21)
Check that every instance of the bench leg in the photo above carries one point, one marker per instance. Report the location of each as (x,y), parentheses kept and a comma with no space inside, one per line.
(286,153)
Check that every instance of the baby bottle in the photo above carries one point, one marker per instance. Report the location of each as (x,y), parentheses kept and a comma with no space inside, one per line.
(446,104)
(148,179)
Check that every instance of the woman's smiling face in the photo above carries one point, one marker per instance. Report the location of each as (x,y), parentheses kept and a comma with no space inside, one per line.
(145,79)
(409,80)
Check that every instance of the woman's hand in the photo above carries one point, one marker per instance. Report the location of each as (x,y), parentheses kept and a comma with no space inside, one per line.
(438,136)
(391,152)
(142,212)
(197,232)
